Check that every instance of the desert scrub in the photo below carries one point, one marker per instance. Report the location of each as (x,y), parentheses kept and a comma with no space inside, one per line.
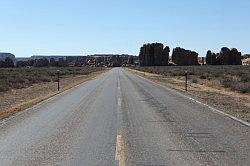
(16,78)
(236,78)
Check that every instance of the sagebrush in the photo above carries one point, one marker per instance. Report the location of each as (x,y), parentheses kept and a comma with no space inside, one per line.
(236,78)
(16,78)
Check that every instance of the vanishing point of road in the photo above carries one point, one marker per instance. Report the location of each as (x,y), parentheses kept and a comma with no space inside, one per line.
(122,119)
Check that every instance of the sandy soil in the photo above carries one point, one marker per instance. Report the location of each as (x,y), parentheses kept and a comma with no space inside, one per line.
(14,101)
(211,93)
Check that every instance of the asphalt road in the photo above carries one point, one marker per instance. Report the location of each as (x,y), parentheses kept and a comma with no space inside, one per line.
(122,119)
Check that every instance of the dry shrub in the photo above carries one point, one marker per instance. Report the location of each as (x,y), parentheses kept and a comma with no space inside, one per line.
(237,78)
(16,78)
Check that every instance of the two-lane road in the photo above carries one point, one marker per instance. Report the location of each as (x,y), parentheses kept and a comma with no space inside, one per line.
(122,119)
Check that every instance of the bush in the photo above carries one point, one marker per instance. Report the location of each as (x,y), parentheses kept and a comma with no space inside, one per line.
(203,77)
(234,77)
(17,78)
(194,80)
(3,86)
(243,88)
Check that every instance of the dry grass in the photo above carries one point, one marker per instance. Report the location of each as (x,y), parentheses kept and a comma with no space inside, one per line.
(18,100)
(208,91)
(23,106)
(17,78)
(236,78)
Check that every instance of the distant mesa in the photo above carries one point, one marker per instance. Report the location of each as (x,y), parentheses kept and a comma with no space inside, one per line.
(7,60)
(4,55)
(101,60)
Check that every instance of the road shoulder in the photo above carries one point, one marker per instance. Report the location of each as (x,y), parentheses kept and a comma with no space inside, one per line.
(230,104)
(19,100)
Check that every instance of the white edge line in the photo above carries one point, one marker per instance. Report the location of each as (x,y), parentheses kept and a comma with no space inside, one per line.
(206,105)
(116,149)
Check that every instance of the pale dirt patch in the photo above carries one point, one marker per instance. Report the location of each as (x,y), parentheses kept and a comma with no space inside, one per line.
(209,92)
(246,61)
(17,100)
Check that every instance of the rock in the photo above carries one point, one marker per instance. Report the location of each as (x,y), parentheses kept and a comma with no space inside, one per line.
(235,57)
(2,64)
(165,56)
(211,58)
(115,61)
(154,55)
(41,62)
(130,60)
(52,62)
(7,63)
(62,62)
(225,57)
(184,57)
(3,56)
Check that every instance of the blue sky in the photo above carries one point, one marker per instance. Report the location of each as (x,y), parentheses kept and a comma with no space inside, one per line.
(75,27)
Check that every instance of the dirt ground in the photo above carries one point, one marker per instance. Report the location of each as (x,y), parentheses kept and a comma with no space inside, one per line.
(232,102)
(14,101)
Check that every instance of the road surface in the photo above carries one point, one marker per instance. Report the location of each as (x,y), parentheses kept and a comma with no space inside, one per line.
(122,119)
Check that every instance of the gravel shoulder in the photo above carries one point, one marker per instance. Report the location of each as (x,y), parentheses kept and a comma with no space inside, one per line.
(234,103)
(16,100)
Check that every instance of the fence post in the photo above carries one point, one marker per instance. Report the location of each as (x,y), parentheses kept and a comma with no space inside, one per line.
(186,84)
(58,80)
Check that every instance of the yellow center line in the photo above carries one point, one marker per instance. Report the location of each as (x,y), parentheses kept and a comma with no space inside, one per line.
(120,143)
(120,153)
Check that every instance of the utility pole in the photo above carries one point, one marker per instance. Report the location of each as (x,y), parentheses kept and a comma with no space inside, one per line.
(58,80)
